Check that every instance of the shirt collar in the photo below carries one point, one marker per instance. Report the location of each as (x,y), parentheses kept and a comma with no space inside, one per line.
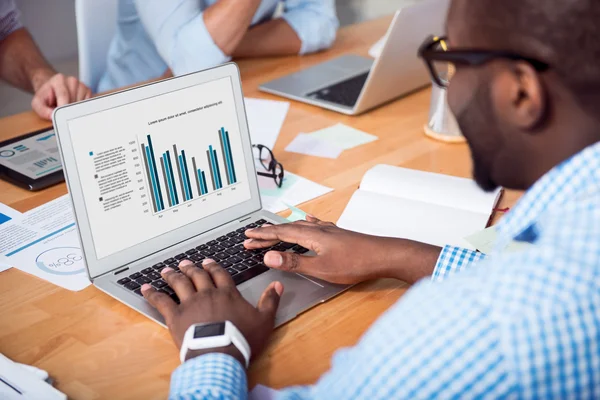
(556,188)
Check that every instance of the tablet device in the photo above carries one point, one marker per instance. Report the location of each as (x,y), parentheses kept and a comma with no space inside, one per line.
(31,161)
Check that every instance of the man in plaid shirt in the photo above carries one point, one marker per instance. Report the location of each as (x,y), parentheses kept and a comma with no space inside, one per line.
(520,324)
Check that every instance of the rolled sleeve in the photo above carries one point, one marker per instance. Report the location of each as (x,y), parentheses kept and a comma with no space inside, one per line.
(212,376)
(9,18)
(453,260)
(178,30)
(314,21)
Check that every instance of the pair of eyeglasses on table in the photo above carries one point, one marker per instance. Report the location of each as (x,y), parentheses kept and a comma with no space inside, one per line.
(269,162)
(442,60)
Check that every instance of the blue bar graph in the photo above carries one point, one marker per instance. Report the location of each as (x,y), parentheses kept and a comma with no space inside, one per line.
(154,172)
(181,178)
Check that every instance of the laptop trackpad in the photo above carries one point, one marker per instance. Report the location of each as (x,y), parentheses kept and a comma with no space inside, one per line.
(297,290)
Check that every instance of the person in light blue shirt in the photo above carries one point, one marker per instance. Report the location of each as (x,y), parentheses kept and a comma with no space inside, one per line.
(155,37)
(506,325)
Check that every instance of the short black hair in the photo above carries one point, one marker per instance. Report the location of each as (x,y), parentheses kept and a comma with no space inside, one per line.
(563,33)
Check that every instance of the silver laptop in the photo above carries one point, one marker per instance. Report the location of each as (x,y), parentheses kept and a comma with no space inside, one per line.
(353,84)
(165,172)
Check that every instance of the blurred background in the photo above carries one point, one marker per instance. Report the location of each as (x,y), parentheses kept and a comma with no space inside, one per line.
(52,24)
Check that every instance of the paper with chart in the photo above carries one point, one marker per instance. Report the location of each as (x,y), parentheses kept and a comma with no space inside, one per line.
(484,241)
(265,119)
(6,215)
(44,242)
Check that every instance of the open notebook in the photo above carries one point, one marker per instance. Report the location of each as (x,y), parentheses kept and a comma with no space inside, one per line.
(430,208)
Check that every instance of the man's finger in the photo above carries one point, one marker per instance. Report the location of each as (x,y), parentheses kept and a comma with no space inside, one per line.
(201,278)
(251,244)
(292,262)
(59,87)
(82,92)
(73,86)
(163,303)
(301,234)
(181,284)
(220,277)
(269,301)
(42,104)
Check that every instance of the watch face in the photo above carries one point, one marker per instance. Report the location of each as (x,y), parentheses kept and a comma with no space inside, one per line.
(210,330)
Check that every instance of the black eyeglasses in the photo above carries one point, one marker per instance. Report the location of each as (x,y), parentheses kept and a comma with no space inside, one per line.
(442,61)
(268,161)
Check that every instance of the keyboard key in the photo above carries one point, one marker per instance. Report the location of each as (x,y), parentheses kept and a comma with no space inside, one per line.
(212,243)
(170,261)
(208,252)
(300,250)
(279,247)
(132,285)
(251,226)
(287,246)
(158,266)
(228,243)
(251,262)
(238,239)
(258,258)
(143,280)
(231,271)
(123,281)
(241,230)
(191,251)
(226,264)
(135,275)
(222,238)
(153,275)
(221,256)
(233,250)
(249,274)
(202,247)
(260,222)
(138,292)
(168,290)
(232,234)
(199,265)
(174,266)
(197,257)
(159,284)
(146,271)
(240,267)
(245,254)
(180,256)
(234,259)
(217,248)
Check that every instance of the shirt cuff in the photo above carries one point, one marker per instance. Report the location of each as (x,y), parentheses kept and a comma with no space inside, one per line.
(194,49)
(10,21)
(211,376)
(453,260)
(316,32)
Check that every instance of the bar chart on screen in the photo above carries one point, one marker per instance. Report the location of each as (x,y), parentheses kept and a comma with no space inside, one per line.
(178,174)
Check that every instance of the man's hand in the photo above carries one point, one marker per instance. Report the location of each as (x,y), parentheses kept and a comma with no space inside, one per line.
(57,91)
(343,257)
(209,295)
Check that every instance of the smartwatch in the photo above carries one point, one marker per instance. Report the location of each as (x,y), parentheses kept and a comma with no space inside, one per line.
(212,336)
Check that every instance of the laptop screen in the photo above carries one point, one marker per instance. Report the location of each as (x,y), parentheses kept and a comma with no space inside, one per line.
(152,166)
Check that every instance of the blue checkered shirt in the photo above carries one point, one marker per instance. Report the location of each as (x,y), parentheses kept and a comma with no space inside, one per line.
(507,325)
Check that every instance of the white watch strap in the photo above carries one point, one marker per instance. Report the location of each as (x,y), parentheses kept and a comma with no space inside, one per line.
(232,335)
(238,341)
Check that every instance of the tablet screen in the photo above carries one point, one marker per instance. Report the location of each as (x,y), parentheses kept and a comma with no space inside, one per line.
(35,157)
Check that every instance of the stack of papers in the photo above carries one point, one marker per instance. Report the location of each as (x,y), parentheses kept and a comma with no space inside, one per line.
(329,142)
(7,214)
(44,242)
(294,191)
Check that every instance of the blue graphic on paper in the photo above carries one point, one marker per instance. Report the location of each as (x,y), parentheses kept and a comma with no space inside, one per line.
(61,261)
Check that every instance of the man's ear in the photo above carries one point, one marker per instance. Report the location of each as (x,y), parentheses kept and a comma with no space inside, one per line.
(520,96)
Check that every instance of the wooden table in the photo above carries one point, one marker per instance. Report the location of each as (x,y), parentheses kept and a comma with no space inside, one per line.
(96,347)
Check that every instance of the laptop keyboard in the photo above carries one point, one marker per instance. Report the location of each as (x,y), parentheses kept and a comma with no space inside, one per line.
(228,250)
(345,93)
